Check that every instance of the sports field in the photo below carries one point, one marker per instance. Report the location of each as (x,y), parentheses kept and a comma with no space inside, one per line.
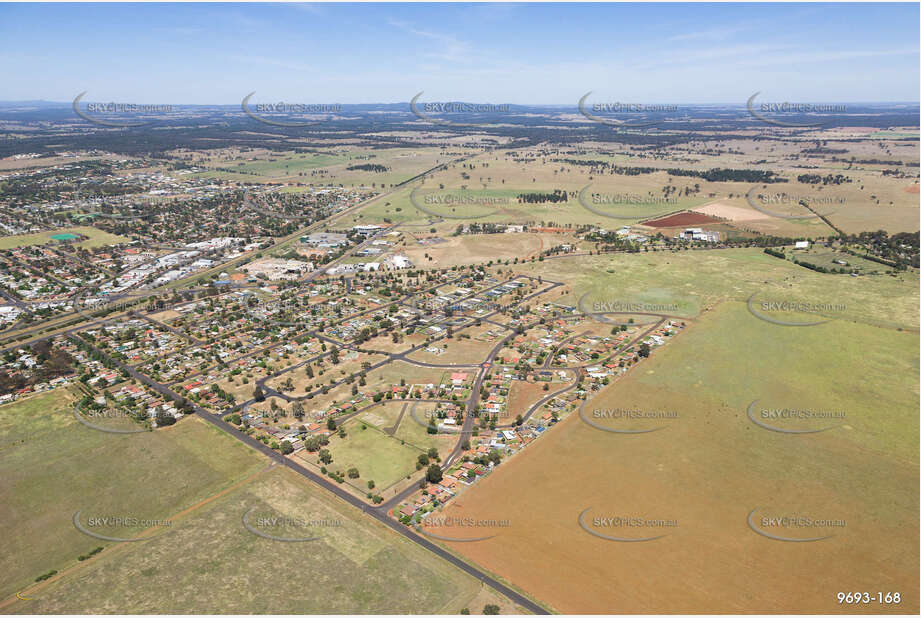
(95,238)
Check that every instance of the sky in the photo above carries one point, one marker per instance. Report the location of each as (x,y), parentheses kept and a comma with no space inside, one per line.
(499,53)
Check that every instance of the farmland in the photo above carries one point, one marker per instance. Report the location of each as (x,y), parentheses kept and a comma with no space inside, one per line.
(831,474)
(206,546)
(487,354)
(53,467)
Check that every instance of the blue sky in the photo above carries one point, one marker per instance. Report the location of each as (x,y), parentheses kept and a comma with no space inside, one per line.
(501,53)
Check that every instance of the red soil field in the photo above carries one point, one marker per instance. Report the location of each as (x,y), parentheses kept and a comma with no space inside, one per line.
(682,219)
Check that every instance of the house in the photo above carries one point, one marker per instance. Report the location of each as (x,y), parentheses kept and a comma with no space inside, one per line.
(801,244)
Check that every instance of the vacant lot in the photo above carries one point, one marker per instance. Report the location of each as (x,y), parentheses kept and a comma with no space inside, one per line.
(51,466)
(681,219)
(698,280)
(377,456)
(475,249)
(210,563)
(706,470)
(457,350)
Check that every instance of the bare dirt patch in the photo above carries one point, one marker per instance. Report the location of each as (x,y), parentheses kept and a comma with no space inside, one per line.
(732,213)
(681,219)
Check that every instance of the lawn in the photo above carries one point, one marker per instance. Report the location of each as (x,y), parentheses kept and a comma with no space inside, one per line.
(378,456)
(51,466)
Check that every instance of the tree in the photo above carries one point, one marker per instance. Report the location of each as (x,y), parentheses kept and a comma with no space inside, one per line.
(331,424)
(353,473)
(325,456)
(644,350)
(423,460)
(258,395)
(164,419)
(287,448)
(433,474)
(297,410)
(491,610)
(433,453)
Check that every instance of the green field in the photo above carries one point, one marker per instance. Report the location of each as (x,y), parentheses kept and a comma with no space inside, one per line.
(301,168)
(210,563)
(698,280)
(51,466)
(866,201)
(413,433)
(96,238)
(377,456)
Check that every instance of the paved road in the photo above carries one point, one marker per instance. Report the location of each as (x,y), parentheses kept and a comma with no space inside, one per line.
(377,514)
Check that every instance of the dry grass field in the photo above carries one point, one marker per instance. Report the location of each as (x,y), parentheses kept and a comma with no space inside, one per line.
(706,470)
(385,573)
